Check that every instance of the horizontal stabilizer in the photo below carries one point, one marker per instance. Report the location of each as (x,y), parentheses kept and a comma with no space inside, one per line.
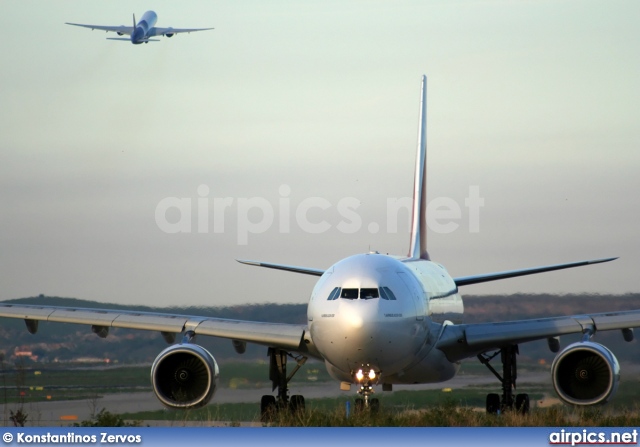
(129,40)
(476,279)
(288,268)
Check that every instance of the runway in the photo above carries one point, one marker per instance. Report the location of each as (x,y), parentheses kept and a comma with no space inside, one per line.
(60,413)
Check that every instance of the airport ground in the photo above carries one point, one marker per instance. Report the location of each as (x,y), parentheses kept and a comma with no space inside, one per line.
(65,412)
(238,405)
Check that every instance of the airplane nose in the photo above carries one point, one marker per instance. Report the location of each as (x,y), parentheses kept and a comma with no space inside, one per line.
(359,333)
(358,320)
(354,321)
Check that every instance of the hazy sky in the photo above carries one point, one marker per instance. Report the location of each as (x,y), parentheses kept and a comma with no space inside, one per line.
(533,103)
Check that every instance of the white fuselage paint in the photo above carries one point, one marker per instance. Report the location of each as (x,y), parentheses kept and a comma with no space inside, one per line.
(395,338)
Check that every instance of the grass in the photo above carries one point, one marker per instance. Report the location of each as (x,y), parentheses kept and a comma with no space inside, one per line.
(450,414)
(447,413)
(429,408)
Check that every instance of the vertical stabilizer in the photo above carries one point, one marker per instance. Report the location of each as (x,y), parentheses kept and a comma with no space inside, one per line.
(418,247)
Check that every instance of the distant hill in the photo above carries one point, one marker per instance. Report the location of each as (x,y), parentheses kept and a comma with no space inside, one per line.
(64,342)
(519,306)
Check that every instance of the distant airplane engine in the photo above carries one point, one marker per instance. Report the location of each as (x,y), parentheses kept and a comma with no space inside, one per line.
(585,373)
(184,376)
(119,33)
(169,33)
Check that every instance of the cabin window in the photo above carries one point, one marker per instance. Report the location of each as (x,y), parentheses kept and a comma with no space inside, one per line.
(387,294)
(367,294)
(335,293)
(349,294)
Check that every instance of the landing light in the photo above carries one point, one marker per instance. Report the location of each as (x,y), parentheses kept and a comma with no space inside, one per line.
(359,375)
(372,374)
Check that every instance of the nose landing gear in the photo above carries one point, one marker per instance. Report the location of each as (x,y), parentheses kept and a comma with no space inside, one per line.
(366,390)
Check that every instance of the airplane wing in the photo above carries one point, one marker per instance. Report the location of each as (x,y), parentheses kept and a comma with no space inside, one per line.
(278,335)
(171,31)
(288,268)
(468,340)
(476,279)
(126,30)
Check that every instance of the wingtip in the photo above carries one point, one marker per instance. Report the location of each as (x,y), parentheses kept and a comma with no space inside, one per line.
(600,261)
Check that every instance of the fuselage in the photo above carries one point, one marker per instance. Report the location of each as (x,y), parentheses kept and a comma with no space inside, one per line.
(383,313)
(146,22)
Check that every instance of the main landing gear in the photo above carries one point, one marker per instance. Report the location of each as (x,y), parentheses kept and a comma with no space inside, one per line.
(270,405)
(500,403)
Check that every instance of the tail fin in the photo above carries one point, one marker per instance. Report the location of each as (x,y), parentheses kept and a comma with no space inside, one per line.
(418,247)
(134,21)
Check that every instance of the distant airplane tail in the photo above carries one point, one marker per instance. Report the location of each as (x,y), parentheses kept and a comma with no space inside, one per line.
(418,246)
(134,20)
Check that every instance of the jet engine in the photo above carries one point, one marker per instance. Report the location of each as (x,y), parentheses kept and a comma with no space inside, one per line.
(169,34)
(184,376)
(119,33)
(585,373)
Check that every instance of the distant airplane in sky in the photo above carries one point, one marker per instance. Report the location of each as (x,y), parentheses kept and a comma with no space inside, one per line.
(373,320)
(142,31)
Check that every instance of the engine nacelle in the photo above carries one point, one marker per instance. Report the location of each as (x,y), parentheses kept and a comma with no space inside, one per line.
(585,373)
(169,33)
(184,376)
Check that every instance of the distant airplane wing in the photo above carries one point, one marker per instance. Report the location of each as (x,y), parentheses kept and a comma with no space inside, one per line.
(468,340)
(288,268)
(126,30)
(278,335)
(171,31)
(476,279)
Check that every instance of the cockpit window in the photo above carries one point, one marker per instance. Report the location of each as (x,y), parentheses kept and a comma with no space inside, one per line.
(335,293)
(349,294)
(387,294)
(364,294)
(367,294)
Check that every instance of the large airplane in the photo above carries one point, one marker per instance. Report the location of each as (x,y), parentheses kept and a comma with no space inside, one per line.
(142,31)
(374,320)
